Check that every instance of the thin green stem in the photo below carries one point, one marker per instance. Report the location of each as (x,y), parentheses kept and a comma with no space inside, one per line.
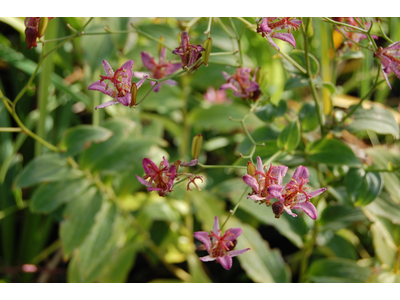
(293,62)
(271,159)
(236,207)
(223,53)
(238,41)
(384,34)
(225,28)
(345,25)
(191,23)
(245,22)
(145,96)
(151,37)
(307,250)
(220,166)
(208,31)
(10,129)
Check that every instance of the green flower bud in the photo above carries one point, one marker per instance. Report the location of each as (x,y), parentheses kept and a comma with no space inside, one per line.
(196,145)
(42,26)
(207,46)
(251,169)
(133,94)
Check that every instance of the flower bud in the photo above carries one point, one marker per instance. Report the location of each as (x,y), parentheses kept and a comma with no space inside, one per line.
(133,94)
(251,169)
(390,166)
(259,76)
(277,208)
(44,22)
(207,46)
(196,145)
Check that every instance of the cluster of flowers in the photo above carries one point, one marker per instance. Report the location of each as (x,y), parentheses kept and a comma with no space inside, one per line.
(35,28)
(267,185)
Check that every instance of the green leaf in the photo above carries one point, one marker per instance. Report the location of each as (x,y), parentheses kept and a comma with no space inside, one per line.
(217,117)
(363,187)
(391,181)
(269,112)
(384,207)
(79,217)
(379,120)
(46,168)
(296,82)
(50,195)
(299,57)
(260,263)
(289,138)
(308,117)
(340,216)
(341,247)
(337,270)
(331,152)
(383,251)
(81,137)
(330,86)
(352,55)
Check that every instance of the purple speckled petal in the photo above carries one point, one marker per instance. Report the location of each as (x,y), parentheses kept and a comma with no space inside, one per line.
(127,72)
(311,195)
(152,189)
(226,75)
(288,211)
(260,167)
(172,68)
(203,237)
(148,60)
(191,163)
(233,234)
(227,86)
(275,190)
(256,198)
(287,37)
(272,43)
(172,171)
(126,100)
(237,94)
(252,182)
(170,82)
(158,87)
(162,56)
(147,163)
(225,261)
(253,87)
(308,208)
(207,258)
(101,86)
(394,46)
(387,79)
(142,181)
(106,104)
(264,26)
(300,172)
(107,68)
(139,83)
(237,252)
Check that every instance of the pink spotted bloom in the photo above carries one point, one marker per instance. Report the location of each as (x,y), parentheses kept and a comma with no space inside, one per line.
(261,181)
(159,70)
(241,85)
(118,86)
(295,195)
(220,247)
(269,26)
(215,97)
(32,31)
(390,60)
(188,53)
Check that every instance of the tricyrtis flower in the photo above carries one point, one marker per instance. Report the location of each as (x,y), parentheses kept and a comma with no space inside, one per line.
(269,26)
(295,195)
(118,86)
(32,30)
(159,70)
(161,178)
(220,247)
(261,181)
(390,60)
(350,33)
(241,85)
(189,53)
(214,96)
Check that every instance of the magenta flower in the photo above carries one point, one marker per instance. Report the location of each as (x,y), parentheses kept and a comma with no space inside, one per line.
(220,248)
(32,31)
(390,60)
(120,82)
(268,28)
(214,96)
(189,53)
(294,195)
(241,85)
(160,70)
(261,181)
(161,178)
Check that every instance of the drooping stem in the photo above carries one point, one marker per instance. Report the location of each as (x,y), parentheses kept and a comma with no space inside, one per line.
(238,42)
(236,207)
(151,37)
(208,31)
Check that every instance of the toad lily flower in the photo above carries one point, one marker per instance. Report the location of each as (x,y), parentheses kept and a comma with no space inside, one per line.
(294,195)
(390,60)
(220,247)
(261,181)
(160,70)
(33,30)
(215,97)
(241,85)
(268,28)
(120,82)
(161,178)
(189,53)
